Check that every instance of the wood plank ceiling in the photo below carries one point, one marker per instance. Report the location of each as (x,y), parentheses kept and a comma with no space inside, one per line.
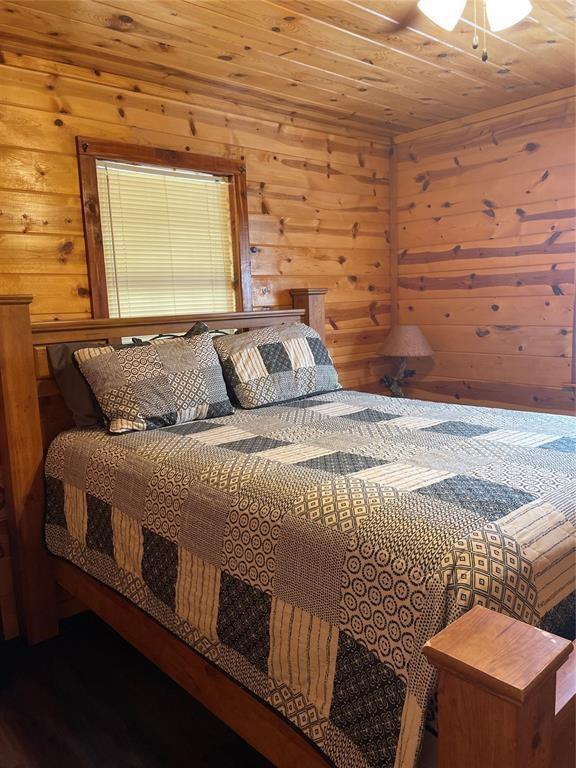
(376,66)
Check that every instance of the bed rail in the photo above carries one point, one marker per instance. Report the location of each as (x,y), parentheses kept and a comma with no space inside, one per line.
(506,694)
(32,413)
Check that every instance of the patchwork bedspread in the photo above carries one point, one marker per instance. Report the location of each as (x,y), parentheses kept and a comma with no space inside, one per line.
(310,549)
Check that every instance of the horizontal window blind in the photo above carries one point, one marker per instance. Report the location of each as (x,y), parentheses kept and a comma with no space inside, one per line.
(167,240)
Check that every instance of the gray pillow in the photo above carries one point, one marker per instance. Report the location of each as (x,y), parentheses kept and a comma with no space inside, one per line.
(74,388)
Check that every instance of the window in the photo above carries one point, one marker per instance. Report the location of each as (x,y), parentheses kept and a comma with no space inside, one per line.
(167,240)
(166,232)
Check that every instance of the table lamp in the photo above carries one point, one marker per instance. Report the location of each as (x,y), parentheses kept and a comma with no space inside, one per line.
(404,341)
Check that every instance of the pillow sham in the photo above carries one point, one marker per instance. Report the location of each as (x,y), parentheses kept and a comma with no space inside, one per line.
(276,364)
(74,388)
(165,382)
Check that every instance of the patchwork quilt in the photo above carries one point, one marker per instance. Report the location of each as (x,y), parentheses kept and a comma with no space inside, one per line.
(310,549)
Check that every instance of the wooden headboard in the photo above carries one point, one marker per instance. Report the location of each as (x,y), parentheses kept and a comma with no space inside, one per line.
(55,417)
(32,413)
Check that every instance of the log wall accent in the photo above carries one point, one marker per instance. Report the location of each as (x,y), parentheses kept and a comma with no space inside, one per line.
(485,254)
(318,202)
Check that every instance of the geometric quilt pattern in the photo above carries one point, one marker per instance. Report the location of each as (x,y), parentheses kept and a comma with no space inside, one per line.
(487,568)
(489,499)
(276,364)
(310,548)
(156,384)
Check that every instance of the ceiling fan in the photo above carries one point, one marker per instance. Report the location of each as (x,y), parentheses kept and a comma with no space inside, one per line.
(497,15)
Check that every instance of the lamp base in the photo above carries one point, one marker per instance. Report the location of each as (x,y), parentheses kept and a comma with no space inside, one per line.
(394,383)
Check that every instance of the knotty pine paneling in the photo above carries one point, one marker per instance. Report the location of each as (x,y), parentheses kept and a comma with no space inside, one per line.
(369,66)
(319,202)
(484,211)
(485,237)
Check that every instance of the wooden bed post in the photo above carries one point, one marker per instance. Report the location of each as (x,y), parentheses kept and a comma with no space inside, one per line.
(497,701)
(313,302)
(21,454)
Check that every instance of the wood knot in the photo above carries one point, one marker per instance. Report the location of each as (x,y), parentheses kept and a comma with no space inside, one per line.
(120,22)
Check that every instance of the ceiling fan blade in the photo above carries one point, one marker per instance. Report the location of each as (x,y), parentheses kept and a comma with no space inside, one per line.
(406,18)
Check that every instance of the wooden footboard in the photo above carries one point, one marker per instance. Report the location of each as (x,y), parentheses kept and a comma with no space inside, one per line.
(506,694)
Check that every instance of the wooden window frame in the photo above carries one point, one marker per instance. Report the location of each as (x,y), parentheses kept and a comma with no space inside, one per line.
(89,151)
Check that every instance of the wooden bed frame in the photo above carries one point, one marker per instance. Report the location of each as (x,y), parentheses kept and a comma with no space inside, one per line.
(506,690)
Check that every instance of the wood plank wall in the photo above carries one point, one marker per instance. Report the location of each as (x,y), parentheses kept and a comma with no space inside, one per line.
(485,237)
(319,200)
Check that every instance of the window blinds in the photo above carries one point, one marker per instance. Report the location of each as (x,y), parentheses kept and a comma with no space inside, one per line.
(167,240)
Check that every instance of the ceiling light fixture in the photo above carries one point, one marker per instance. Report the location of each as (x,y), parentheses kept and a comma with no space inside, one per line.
(500,14)
(445,13)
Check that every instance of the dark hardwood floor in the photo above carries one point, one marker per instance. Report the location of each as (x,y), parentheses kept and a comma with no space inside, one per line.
(89,700)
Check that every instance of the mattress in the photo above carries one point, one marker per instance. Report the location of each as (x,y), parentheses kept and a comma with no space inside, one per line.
(310,549)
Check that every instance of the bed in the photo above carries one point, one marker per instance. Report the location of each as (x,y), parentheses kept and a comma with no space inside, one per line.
(310,550)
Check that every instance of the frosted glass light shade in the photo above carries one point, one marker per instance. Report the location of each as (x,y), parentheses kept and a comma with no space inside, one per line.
(505,13)
(445,13)
(501,14)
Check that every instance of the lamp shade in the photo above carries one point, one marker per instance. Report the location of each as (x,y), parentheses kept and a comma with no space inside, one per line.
(406,341)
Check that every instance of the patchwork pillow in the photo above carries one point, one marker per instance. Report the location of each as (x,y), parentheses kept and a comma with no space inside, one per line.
(75,390)
(165,382)
(276,364)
